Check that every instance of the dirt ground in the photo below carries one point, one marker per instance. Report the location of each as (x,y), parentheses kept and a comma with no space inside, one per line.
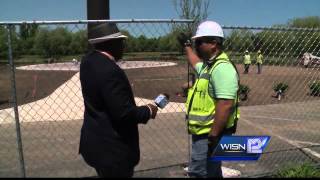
(51,148)
(30,85)
(149,82)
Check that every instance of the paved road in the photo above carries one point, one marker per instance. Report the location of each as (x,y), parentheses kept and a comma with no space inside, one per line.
(50,148)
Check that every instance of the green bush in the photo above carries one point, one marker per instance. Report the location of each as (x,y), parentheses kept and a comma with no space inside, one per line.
(280,86)
(315,88)
(301,171)
(243,92)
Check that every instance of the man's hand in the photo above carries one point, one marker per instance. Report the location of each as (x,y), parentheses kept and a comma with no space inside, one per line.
(188,43)
(192,57)
(212,144)
(153,109)
(183,37)
(223,111)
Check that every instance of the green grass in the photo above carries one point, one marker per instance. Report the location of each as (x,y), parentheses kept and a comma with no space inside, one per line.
(305,170)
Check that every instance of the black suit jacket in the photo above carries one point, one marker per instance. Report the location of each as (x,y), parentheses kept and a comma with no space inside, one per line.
(109,135)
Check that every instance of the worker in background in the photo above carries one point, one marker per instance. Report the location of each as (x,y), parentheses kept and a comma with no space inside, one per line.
(259,61)
(247,62)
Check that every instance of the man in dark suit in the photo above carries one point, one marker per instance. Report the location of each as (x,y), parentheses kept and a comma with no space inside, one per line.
(109,139)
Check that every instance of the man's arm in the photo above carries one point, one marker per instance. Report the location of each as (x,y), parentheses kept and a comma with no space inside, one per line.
(225,82)
(192,57)
(224,109)
(119,103)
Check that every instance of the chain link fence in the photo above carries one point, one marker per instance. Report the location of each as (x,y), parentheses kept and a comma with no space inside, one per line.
(283,100)
(41,110)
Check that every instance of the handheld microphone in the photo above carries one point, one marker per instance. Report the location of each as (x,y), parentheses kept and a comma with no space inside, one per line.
(162,100)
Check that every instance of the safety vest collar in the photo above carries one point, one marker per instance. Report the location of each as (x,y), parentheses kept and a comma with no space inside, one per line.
(223,55)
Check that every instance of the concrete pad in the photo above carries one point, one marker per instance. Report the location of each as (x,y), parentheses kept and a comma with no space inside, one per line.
(70,66)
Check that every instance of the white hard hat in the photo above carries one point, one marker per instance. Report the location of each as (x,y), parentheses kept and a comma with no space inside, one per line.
(209,28)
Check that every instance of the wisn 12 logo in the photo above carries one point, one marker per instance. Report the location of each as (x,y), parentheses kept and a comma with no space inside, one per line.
(240,148)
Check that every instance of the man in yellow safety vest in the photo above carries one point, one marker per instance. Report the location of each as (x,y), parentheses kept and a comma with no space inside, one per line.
(259,61)
(246,62)
(212,102)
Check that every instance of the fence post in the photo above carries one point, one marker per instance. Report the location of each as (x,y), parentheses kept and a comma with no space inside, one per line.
(14,101)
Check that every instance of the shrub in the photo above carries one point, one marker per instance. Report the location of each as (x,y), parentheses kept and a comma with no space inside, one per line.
(280,86)
(243,92)
(315,88)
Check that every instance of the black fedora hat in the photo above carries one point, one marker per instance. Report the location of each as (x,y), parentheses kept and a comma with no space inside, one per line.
(104,32)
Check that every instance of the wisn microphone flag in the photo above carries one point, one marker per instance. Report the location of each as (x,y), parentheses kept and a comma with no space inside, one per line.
(240,148)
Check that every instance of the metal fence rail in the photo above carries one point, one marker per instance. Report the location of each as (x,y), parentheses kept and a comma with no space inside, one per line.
(41,110)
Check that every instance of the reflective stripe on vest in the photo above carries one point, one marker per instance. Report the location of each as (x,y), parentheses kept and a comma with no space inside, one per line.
(201,115)
(201,118)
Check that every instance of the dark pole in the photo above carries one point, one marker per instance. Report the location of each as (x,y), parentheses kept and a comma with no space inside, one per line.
(15,105)
(97,10)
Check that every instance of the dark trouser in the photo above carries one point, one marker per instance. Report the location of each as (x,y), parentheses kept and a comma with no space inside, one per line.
(246,68)
(259,68)
(115,172)
(200,166)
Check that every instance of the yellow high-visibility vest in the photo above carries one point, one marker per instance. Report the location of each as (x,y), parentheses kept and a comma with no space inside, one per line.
(259,59)
(247,59)
(200,114)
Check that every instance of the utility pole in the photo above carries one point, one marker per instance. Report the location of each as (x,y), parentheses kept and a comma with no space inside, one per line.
(97,10)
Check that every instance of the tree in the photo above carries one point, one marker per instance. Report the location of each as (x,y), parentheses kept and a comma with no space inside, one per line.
(3,43)
(293,43)
(153,44)
(198,10)
(41,44)
(239,41)
(59,41)
(27,35)
(142,43)
(54,43)
(308,41)
(305,22)
(192,9)
(168,42)
(78,43)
